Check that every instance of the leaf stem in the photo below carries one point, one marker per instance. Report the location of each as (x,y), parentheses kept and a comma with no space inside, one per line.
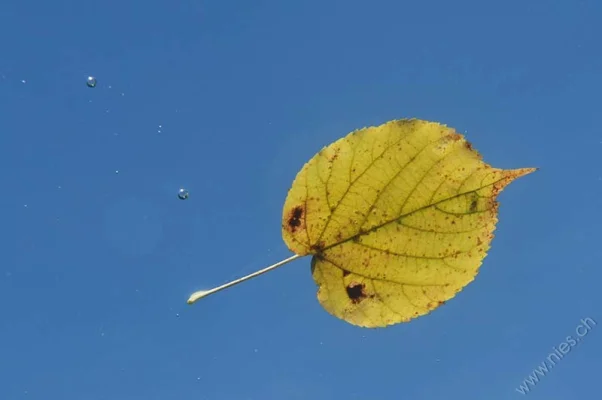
(204,293)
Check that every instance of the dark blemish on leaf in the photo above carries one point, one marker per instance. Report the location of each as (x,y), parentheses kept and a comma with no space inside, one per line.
(355,292)
(294,219)
(455,136)
(317,247)
(345,272)
(473,205)
(335,155)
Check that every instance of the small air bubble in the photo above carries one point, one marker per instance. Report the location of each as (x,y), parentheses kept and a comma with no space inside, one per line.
(91,81)
(183,194)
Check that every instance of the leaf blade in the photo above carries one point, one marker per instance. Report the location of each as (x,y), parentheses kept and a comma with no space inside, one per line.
(399,218)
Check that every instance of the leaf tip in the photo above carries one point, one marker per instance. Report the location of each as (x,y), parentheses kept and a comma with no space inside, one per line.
(525,171)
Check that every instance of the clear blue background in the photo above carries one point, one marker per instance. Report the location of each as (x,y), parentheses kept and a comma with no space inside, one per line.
(229,99)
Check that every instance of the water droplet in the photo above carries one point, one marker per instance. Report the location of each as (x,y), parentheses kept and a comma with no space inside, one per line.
(177,315)
(91,81)
(183,194)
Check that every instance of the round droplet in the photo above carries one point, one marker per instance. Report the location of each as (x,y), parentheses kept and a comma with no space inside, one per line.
(182,194)
(91,81)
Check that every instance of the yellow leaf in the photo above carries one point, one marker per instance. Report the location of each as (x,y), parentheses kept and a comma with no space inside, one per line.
(398,219)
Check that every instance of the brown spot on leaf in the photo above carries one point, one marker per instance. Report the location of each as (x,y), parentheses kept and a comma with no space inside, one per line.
(317,247)
(345,272)
(473,205)
(455,136)
(294,219)
(355,292)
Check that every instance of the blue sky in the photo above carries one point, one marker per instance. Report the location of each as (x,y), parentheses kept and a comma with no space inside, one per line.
(228,99)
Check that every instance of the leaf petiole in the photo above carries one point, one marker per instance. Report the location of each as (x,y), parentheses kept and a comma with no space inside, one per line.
(204,293)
